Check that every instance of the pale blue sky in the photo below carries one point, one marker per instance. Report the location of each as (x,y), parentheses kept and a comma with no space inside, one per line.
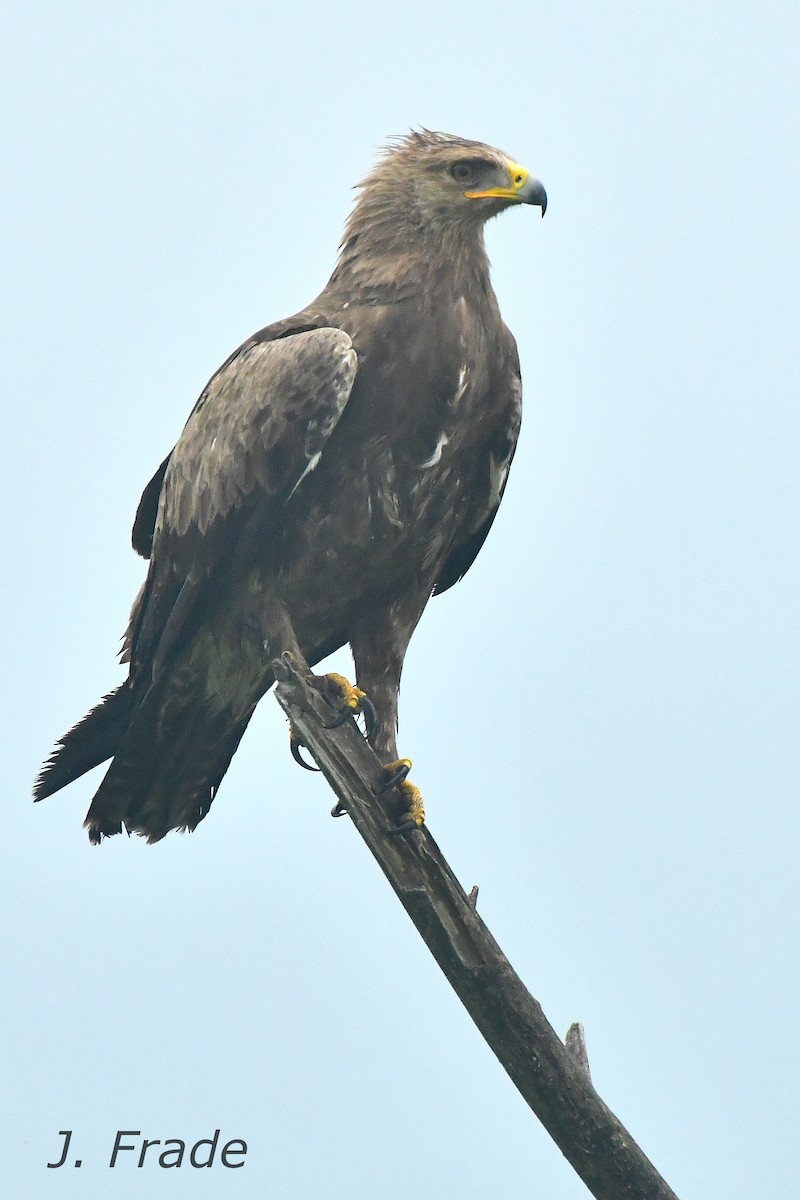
(626,797)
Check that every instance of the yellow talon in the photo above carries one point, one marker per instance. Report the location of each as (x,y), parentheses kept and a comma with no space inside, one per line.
(351,695)
(353,701)
(416,805)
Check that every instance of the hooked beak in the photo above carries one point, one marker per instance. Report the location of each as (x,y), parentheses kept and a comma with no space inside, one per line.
(523,189)
(532,192)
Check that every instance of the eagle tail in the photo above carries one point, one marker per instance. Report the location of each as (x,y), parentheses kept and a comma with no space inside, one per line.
(89,743)
(168,768)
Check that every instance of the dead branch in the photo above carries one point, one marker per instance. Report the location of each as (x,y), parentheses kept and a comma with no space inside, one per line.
(552,1077)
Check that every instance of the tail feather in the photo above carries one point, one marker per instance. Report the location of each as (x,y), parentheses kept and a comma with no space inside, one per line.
(166,773)
(170,748)
(93,740)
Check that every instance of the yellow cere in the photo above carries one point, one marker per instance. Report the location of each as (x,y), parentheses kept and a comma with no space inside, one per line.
(518,175)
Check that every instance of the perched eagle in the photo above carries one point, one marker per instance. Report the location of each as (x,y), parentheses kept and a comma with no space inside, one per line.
(342,466)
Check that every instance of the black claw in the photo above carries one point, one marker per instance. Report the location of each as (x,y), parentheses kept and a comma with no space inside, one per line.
(338,810)
(366,707)
(298,757)
(342,717)
(396,777)
(403,827)
(370,717)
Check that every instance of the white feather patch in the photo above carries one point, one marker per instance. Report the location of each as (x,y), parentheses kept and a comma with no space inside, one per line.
(498,472)
(463,384)
(437,454)
(312,462)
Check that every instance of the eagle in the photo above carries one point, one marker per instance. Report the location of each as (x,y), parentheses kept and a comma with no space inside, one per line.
(340,468)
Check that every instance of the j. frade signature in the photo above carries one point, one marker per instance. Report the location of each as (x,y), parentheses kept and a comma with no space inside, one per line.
(173,1152)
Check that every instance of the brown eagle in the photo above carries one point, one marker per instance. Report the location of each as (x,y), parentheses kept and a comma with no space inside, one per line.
(341,467)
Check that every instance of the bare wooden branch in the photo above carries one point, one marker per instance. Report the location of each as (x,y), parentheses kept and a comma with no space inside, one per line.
(551,1077)
(575,1041)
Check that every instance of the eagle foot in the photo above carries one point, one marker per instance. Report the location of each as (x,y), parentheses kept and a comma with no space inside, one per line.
(295,745)
(413,808)
(352,701)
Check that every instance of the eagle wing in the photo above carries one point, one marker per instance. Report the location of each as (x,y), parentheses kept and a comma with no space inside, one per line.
(501,454)
(144,522)
(257,430)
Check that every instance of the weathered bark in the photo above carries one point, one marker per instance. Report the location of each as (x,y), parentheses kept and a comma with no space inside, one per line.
(552,1077)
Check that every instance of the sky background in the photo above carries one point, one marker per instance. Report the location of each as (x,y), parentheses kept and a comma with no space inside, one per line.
(603,715)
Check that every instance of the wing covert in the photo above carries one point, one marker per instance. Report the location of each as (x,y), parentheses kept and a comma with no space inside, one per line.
(259,427)
(260,423)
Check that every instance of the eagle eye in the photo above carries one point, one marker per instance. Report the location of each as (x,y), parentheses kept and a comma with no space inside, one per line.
(463,172)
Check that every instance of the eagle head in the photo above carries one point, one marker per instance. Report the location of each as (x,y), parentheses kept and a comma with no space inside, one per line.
(441,178)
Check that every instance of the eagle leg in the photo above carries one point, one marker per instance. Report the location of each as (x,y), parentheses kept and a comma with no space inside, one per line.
(379,641)
(354,701)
